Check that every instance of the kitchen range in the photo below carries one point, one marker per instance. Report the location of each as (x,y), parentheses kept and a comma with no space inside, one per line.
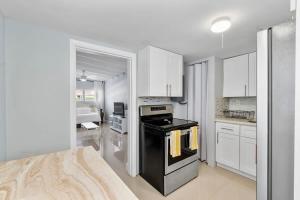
(167,160)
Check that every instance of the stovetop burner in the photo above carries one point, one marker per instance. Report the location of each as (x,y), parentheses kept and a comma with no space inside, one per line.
(169,125)
(178,122)
(163,120)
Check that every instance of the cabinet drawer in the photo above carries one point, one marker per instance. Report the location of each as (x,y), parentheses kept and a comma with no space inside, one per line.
(227,128)
(248,132)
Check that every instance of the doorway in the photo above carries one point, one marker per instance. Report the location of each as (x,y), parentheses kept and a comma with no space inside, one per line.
(91,95)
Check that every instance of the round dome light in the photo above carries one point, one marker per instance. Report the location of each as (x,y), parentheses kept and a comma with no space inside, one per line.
(220,25)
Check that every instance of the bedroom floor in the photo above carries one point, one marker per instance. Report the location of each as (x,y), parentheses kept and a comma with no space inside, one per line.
(111,144)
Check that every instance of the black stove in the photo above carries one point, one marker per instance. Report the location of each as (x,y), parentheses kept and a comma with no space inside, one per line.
(167,123)
(157,166)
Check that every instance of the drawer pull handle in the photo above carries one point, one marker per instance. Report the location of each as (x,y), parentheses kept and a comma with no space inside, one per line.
(228,129)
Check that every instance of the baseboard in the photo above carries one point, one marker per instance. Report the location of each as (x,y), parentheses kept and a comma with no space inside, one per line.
(237,171)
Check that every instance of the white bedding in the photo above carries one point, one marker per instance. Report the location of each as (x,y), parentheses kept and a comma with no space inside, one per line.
(84,116)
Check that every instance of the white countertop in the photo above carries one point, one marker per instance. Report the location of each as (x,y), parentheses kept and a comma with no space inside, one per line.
(235,121)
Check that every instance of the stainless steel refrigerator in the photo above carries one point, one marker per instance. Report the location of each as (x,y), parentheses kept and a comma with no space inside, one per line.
(275,112)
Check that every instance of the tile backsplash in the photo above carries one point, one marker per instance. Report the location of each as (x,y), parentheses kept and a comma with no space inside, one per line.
(221,104)
(242,103)
(235,103)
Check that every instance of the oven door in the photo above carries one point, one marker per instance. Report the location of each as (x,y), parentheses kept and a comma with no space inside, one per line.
(187,155)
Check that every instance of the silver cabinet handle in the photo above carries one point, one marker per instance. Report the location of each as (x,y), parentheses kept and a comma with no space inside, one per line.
(245,90)
(170,90)
(217,138)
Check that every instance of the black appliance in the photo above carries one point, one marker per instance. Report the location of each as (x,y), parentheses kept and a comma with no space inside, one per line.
(157,166)
(119,108)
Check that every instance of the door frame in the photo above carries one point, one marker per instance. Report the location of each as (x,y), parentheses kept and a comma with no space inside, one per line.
(131,166)
(263,133)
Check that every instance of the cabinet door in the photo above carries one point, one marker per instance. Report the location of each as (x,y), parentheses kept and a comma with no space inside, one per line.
(248,155)
(252,74)
(236,76)
(175,74)
(158,59)
(227,152)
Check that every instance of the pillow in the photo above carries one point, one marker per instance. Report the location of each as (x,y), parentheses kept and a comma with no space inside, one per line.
(94,109)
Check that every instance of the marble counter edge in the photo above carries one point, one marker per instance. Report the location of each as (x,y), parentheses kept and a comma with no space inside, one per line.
(76,166)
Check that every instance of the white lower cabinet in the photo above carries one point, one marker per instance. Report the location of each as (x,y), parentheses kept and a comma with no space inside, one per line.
(236,148)
(248,155)
(228,149)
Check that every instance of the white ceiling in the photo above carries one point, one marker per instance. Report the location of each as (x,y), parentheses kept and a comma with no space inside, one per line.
(99,66)
(182,26)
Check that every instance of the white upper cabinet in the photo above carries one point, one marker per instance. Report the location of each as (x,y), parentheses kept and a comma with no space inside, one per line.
(159,73)
(236,76)
(175,74)
(240,76)
(252,74)
(158,62)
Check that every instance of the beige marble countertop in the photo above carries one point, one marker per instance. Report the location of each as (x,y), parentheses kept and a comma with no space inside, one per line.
(75,174)
(235,121)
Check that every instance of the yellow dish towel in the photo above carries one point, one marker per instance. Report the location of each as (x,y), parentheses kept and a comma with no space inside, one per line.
(175,143)
(194,138)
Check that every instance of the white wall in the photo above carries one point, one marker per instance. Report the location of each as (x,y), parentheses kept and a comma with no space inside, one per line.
(37,85)
(2,92)
(181,110)
(293,4)
(215,83)
(85,85)
(116,90)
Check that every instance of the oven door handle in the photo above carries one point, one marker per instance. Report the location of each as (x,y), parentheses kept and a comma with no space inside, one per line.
(182,133)
(181,163)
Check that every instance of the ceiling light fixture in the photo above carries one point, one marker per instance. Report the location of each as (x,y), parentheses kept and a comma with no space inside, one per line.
(220,25)
(83,77)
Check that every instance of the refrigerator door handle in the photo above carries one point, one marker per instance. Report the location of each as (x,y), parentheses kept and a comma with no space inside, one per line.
(256,154)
